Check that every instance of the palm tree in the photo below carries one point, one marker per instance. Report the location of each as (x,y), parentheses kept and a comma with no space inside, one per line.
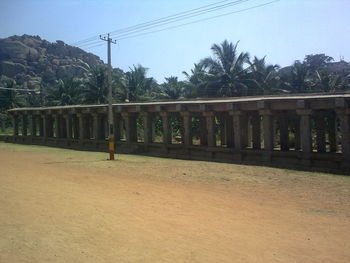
(265,75)
(172,88)
(134,85)
(228,71)
(69,91)
(96,89)
(325,81)
(196,81)
(296,79)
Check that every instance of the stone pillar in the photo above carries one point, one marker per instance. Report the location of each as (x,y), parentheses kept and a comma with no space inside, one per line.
(2,124)
(76,127)
(147,127)
(203,133)
(48,126)
(98,127)
(210,121)
(256,132)
(153,130)
(58,126)
(88,126)
(274,128)
(84,132)
(249,132)
(130,127)
(63,127)
(15,125)
(117,125)
(344,119)
(305,130)
(186,128)
(41,126)
(105,131)
(332,132)
(33,125)
(320,128)
(240,129)
(167,132)
(230,140)
(267,123)
(222,129)
(46,122)
(284,132)
(24,124)
(105,127)
(268,130)
(122,129)
(68,120)
(296,127)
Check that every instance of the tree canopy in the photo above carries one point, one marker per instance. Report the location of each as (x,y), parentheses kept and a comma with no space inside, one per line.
(227,73)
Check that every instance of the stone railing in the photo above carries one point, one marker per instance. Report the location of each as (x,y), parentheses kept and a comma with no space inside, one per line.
(295,130)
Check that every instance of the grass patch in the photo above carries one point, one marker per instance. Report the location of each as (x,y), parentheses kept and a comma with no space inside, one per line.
(318,211)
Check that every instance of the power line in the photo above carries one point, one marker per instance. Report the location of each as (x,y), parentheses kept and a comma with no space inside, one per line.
(85,40)
(131,35)
(130,27)
(179,18)
(160,20)
(89,43)
(167,17)
(93,46)
(199,20)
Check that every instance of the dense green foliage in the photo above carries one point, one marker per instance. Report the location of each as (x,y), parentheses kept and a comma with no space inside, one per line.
(228,73)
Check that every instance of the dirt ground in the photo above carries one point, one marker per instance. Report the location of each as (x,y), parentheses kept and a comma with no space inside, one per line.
(69,206)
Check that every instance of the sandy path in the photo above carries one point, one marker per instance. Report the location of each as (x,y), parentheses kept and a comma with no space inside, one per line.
(54,208)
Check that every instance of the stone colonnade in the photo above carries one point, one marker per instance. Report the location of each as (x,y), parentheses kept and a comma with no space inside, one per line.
(312,130)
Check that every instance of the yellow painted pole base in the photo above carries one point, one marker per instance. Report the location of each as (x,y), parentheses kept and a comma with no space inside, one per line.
(111,150)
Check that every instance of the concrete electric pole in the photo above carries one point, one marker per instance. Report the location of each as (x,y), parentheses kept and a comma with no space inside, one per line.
(110,109)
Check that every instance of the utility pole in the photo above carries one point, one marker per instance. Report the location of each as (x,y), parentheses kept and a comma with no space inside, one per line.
(110,109)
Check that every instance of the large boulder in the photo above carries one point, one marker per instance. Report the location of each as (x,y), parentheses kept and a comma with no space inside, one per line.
(14,49)
(69,71)
(28,59)
(11,69)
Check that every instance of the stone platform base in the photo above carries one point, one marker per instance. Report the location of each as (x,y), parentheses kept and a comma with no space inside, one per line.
(325,162)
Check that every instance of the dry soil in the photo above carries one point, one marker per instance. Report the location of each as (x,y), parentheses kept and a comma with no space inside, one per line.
(70,206)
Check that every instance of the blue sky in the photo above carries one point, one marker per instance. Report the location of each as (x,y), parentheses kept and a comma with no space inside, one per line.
(283,31)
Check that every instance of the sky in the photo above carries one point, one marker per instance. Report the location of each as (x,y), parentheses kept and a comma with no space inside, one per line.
(283,31)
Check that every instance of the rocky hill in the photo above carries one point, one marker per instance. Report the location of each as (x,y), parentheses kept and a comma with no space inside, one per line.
(30,60)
